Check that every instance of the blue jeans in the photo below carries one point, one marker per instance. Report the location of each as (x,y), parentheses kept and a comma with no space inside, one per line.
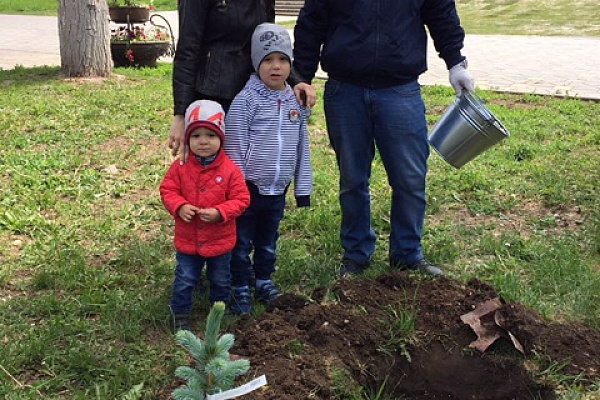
(393,119)
(189,273)
(258,231)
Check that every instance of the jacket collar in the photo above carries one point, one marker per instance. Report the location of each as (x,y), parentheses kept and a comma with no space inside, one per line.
(254,83)
(218,161)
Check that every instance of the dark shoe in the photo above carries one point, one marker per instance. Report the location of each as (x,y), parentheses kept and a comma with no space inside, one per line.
(266,292)
(181,322)
(423,266)
(351,267)
(241,301)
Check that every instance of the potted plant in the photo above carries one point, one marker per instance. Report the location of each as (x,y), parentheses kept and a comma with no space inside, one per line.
(129,11)
(141,45)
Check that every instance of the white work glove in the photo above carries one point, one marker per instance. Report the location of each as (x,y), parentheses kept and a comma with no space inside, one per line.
(460,79)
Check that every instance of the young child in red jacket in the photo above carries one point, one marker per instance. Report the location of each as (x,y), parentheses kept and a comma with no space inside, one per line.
(205,196)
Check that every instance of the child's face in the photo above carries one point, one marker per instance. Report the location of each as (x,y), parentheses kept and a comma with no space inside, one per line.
(274,70)
(204,142)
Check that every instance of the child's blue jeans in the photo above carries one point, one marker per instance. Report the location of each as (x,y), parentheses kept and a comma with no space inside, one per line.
(189,273)
(258,230)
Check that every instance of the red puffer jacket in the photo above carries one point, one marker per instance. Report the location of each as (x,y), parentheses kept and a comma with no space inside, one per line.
(220,185)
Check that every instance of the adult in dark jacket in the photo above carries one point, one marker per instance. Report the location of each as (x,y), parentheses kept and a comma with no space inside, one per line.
(374,52)
(212,60)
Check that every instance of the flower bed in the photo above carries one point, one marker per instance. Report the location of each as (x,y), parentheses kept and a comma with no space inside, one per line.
(138,54)
(140,45)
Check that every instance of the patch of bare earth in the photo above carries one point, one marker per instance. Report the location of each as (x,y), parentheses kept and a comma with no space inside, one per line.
(523,218)
(300,343)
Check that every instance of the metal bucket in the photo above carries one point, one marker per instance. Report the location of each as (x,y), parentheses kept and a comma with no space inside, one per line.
(466,130)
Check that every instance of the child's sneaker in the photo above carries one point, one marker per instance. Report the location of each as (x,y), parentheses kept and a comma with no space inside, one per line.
(181,322)
(241,301)
(266,291)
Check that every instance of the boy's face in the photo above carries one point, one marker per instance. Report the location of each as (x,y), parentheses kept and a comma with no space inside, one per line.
(204,142)
(274,70)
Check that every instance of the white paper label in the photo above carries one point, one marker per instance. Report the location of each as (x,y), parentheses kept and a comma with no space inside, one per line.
(239,391)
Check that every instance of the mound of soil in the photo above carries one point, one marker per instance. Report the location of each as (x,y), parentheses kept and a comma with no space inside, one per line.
(303,345)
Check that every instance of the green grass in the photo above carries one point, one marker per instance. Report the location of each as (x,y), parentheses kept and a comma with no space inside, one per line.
(86,257)
(531,17)
(50,7)
(526,17)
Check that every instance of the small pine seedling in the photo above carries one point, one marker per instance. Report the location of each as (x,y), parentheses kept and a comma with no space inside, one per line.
(213,370)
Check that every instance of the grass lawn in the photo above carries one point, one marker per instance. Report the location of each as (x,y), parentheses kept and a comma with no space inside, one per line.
(50,7)
(86,246)
(527,17)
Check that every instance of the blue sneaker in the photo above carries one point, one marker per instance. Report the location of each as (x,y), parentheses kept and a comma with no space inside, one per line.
(266,291)
(241,301)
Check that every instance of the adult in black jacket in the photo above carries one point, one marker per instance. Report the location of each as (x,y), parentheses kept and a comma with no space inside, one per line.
(212,60)
(374,52)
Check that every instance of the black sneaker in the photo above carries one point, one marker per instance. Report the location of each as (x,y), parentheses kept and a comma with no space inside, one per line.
(350,267)
(181,322)
(423,266)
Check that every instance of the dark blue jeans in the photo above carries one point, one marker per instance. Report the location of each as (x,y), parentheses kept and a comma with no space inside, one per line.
(393,121)
(258,231)
(189,273)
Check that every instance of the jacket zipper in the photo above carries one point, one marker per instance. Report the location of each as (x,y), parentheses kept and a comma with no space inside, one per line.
(206,65)
(378,28)
(280,145)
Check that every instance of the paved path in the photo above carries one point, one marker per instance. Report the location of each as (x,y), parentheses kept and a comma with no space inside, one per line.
(520,64)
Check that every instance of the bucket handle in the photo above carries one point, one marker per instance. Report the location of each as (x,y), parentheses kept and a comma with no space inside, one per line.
(492,121)
(474,95)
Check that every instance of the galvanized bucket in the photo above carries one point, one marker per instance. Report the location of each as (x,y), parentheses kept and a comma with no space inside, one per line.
(466,130)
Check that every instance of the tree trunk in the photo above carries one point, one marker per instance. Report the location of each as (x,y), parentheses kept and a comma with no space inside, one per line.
(84,35)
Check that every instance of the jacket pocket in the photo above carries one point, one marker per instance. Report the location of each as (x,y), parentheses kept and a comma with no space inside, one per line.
(332,86)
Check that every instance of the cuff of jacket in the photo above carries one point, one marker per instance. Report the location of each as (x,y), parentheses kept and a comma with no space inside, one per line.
(303,201)
(295,78)
(453,59)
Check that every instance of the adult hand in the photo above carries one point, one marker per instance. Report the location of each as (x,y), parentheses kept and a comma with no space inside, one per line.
(187,212)
(460,79)
(306,94)
(177,139)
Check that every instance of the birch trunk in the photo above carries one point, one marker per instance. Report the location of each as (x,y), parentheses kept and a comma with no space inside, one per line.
(84,35)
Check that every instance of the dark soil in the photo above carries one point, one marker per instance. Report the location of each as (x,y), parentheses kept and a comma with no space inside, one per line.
(303,345)
(327,346)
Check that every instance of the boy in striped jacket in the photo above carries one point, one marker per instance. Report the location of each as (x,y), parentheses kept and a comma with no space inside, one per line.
(267,137)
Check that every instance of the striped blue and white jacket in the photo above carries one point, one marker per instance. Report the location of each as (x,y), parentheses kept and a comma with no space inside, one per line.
(266,135)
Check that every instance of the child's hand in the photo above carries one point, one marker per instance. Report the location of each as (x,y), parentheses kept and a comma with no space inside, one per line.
(211,215)
(187,212)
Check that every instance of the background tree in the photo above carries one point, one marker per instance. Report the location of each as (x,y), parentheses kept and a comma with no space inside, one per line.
(84,35)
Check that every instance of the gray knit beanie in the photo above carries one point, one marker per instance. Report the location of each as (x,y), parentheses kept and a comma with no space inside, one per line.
(270,38)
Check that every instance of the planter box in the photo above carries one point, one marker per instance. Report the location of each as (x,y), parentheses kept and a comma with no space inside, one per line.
(124,15)
(144,54)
